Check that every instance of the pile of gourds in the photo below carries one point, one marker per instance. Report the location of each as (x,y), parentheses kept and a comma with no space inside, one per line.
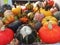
(28,22)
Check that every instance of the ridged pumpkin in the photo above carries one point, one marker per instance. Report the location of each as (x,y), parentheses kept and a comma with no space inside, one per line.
(8,12)
(45,12)
(8,19)
(50,33)
(49,18)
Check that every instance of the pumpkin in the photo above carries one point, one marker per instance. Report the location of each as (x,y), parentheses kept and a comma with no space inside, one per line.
(45,12)
(29,6)
(53,10)
(30,15)
(57,15)
(26,34)
(38,16)
(8,19)
(14,25)
(49,33)
(8,12)
(49,18)
(16,10)
(24,19)
(6,35)
(50,2)
(23,8)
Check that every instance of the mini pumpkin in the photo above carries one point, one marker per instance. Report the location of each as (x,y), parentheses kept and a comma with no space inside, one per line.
(14,25)
(38,16)
(16,10)
(45,12)
(24,19)
(30,15)
(8,19)
(8,12)
(6,35)
(49,18)
(50,33)
(26,34)
(29,6)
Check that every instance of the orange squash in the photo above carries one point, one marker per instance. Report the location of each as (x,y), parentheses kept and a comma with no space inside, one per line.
(8,19)
(24,19)
(16,10)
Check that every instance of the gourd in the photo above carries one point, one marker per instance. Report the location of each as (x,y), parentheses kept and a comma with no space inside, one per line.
(50,33)
(26,34)
(49,18)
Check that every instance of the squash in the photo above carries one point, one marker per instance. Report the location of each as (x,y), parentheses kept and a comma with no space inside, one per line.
(38,16)
(14,25)
(16,10)
(24,19)
(50,33)
(29,6)
(49,18)
(45,12)
(6,35)
(8,12)
(26,34)
(8,19)
(30,15)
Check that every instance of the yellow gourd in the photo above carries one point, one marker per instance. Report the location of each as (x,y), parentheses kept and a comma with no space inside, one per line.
(49,18)
(46,13)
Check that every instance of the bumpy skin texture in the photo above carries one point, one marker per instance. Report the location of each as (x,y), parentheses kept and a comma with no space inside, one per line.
(50,36)
(6,36)
(31,37)
(49,18)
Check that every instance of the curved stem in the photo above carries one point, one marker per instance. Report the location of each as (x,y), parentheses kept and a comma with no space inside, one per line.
(3,28)
(50,25)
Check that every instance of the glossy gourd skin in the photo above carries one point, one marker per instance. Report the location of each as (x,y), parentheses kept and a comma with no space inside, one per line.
(49,18)
(6,36)
(50,35)
(28,39)
(14,25)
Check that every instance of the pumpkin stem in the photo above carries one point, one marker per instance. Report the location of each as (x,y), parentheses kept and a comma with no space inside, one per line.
(50,25)
(3,28)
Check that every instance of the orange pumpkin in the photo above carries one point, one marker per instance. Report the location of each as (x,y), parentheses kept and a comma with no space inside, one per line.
(16,10)
(8,19)
(24,19)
